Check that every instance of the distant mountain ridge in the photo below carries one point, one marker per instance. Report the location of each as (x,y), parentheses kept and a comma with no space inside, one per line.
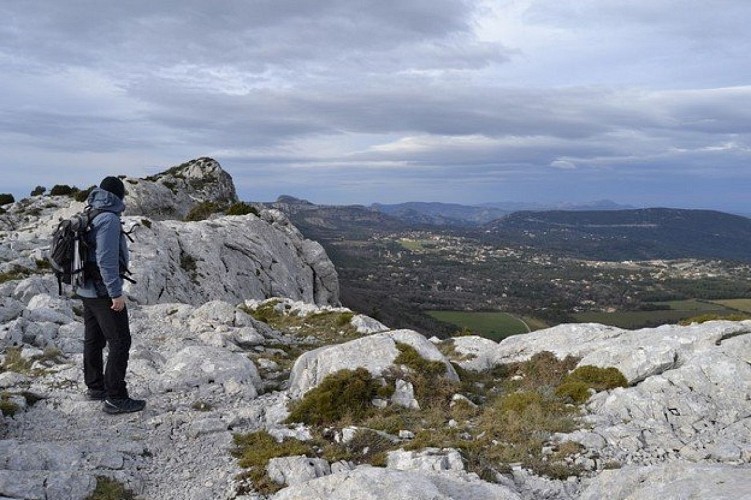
(613,234)
(454,214)
(640,234)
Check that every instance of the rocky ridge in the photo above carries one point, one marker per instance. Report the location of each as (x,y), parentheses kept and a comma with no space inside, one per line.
(212,364)
(230,258)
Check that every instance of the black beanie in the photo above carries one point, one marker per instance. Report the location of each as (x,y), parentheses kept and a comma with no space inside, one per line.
(114,186)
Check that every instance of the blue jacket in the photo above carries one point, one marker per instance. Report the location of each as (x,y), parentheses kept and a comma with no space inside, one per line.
(111,245)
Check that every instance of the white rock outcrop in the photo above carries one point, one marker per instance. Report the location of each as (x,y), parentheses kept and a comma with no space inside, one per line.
(429,459)
(173,193)
(371,483)
(228,258)
(296,469)
(376,353)
(473,352)
(195,366)
(672,480)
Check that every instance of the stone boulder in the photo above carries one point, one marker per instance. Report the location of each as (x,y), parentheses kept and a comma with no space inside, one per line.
(371,483)
(297,469)
(376,353)
(196,366)
(473,352)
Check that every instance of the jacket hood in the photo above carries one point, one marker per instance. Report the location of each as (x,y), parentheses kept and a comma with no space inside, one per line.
(99,198)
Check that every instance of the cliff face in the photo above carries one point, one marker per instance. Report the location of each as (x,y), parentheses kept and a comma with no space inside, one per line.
(229,258)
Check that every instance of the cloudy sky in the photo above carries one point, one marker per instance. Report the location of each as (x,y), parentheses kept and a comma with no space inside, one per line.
(644,102)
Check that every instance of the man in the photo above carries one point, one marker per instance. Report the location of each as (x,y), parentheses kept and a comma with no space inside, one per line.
(104,312)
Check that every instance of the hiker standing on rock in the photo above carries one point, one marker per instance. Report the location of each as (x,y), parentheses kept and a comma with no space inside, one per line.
(104,311)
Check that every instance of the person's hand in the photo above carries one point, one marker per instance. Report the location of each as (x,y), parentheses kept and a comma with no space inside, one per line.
(118,303)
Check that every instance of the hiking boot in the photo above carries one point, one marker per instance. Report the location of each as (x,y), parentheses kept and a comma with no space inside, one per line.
(96,394)
(126,405)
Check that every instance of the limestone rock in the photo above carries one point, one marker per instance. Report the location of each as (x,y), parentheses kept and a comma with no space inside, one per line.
(429,459)
(201,365)
(637,354)
(371,483)
(693,411)
(297,469)
(230,259)
(366,325)
(171,194)
(671,480)
(10,309)
(404,395)
(376,353)
(474,352)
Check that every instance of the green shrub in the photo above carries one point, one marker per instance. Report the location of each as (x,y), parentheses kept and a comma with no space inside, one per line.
(519,401)
(14,274)
(265,312)
(202,211)
(6,198)
(7,407)
(241,208)
(110,489)
(544,369)
(43,264)
(14,362)
(83,195)
(146,223)
(599,379)
(39,190)
(576,390)
(409,357)
(344,394)
(63,190)
(344,319)
(254,450)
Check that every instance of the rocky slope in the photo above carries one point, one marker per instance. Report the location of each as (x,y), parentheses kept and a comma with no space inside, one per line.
(215,357)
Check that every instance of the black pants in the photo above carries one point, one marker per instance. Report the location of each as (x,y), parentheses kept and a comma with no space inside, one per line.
(104,326)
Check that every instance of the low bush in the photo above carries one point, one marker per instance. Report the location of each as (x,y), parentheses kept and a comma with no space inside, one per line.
(63,190)
(409,357)
(599,379)
(14,274)
(202,211)
(110,489)
(254,450)
(345,394)
(241,208)
(38,191)
(7,407)
(83,194)
(6,198)
(575,390)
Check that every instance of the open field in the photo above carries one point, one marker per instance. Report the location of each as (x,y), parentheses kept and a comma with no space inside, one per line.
(492,325)
(679,310)
(739,304)
(417,245)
